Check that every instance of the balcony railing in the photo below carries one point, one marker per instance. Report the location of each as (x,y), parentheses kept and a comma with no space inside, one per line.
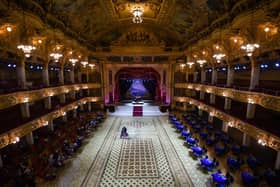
(15,134)
(270,140)
(12,99)
(267,101)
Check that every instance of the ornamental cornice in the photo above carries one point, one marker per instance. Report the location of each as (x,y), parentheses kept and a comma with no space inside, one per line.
(15,98)
(269,139)
(265,100)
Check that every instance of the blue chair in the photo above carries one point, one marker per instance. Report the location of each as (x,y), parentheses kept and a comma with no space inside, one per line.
(185,133)
(249,179)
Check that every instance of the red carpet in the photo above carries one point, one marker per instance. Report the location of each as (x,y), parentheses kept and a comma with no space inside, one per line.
(137,111)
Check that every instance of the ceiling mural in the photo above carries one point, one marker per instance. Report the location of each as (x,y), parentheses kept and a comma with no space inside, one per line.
(106,22)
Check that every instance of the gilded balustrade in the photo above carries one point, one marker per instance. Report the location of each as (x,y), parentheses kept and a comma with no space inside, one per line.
(270,140)
(13,135)
(15,98)
(267,101)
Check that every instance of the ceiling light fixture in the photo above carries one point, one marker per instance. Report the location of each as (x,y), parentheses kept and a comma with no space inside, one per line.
(137,14)
(250,48)
(201,62)
(219,57)
(73,61)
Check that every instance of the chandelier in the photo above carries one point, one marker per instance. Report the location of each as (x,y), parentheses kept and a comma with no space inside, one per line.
(137,14)
(27,49)
(201,62)
(190,64)
(84,63)
(56,56)
(219,57)
(250,48)
(73,61)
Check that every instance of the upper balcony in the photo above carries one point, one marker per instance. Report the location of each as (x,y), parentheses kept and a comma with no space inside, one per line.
(9,100)
(265,100)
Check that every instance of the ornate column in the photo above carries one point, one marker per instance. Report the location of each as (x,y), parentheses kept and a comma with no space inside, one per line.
(1,161)
(213,82)
(210,118)
(203,79)
(195,74)
(225,126)
(251,108)
(48,103)
(64,117)
(72,80)
(61,75)
(29,138)
(255,74)
(75,113)
(277,162)
(89,106)
(200,112)
(230,75)
(50,125)
(171,70)
(21,74)
(45,74)
(24,108)
(245,139)
(82,107)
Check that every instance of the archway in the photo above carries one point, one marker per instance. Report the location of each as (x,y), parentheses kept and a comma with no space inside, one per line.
(137,81)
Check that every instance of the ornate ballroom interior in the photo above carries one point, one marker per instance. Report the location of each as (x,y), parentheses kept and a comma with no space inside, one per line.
(139,93)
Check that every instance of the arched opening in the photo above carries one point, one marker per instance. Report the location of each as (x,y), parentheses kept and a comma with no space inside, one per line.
(137,82)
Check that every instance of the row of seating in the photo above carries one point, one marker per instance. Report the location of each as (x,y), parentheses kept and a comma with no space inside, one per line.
(198,133)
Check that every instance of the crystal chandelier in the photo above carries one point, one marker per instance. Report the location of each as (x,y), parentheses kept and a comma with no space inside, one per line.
(219,57)
(56,56)
(27,49)
(84,63)
(190,64)
(250,48)
(73,61)
(137,14)
(201,62)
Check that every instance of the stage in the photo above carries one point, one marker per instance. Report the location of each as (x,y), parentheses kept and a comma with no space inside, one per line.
(127,108)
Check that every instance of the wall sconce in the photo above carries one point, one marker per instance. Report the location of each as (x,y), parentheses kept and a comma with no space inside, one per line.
(64,113)
(16,140)
(251,101)
(51,94)
(230,124)
(224,94)
(262,142)
(25,100)
(45,123)
(211,114)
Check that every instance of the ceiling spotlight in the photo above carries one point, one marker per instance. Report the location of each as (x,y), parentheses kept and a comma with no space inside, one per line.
(235,40)
(39,41)
(137,14)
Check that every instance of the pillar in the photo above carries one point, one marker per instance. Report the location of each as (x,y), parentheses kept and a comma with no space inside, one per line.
(200,112)
(212,98)
(255,74)
(72,94)
(62,98)
(1,161)
(61,75)
(225,126)
(250,110)
(29,138)
(210,118)
(64,117)
(227,103)
(201,95)
(79,76)
(187,76)
(245,139)
(277,162)
(48,103)
(50,125)
(89,106)
(45,72)
(72,76)
(24,108)
(214,76)
(203,76)
(184,107)
(75,113)
(82,107)
(230,75)
(195,74)
(21,74)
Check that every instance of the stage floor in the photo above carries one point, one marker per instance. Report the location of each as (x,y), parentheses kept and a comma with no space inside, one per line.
(126,109)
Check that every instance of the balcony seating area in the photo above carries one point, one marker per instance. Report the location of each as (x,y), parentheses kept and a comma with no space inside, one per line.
(7,116)
(52,150)
(219,154)
(265,119)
